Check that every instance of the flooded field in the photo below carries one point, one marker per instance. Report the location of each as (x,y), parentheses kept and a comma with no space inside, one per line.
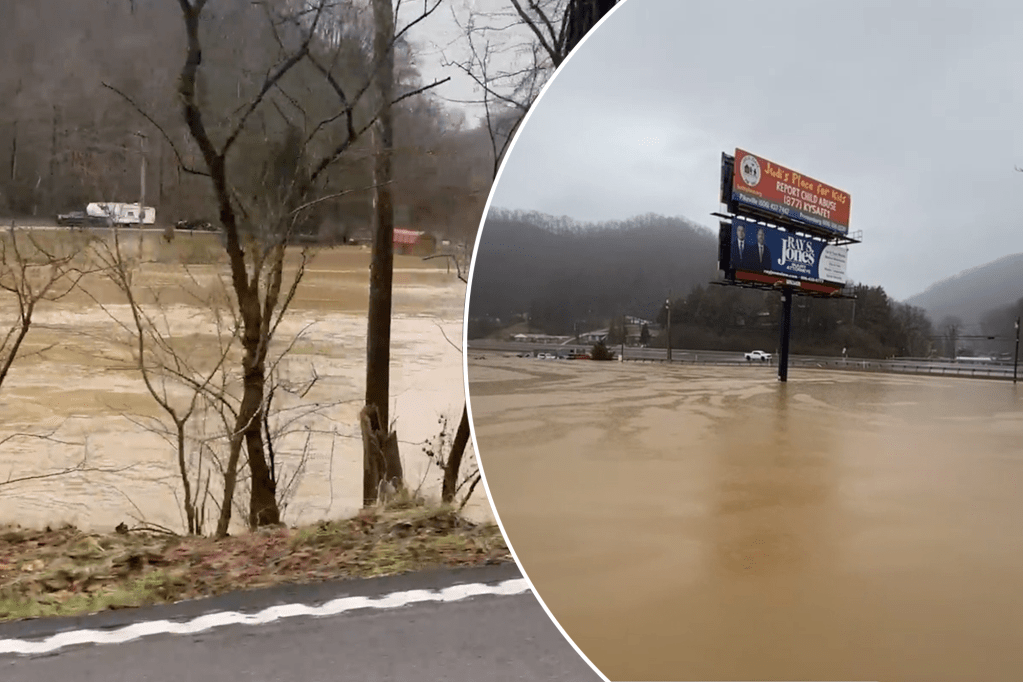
(84,394)
(708,523)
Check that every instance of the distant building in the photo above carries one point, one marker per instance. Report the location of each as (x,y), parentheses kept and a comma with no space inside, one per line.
(414,242)
(597,336)
(633,332)
(541,338)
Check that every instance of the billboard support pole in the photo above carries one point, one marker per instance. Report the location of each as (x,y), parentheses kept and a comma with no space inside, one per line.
(786,330)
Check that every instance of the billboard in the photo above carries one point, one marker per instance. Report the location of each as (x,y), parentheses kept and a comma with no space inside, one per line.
(760,184)
(768,250)
(727,163)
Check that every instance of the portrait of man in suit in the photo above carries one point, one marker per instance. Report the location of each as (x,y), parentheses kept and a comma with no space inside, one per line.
(760,255)
(741,248)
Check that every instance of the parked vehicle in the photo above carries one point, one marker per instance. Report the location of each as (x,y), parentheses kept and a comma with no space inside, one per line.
(758,355)
(73,219)
(191,225)
(121,213)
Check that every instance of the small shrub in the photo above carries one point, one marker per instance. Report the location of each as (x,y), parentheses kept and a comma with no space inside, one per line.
(600,352)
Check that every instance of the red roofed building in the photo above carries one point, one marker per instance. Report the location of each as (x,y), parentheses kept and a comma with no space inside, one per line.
(413,242)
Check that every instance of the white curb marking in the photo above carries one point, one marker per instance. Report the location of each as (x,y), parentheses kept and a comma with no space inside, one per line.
(268,615)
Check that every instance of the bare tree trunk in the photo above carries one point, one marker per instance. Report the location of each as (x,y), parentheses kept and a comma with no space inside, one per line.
(583,15)
(193,527)
(382,268)
(230,482)
(263,509)
(454,461)
(380,456)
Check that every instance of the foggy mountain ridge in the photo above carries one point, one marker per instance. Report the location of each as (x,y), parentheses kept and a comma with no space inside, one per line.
(557,276)
(565,271)
(971,293)
(567,225)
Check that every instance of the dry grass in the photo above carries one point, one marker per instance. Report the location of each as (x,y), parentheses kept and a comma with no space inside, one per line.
(67,572)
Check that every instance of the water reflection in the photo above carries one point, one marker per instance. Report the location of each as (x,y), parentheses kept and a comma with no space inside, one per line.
(772,488)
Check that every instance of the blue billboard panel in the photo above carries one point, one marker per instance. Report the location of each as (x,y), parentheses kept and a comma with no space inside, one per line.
(761,248)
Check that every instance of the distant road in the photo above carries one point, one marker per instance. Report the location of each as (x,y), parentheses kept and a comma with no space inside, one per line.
(499,638)
(52,226)
(993,370)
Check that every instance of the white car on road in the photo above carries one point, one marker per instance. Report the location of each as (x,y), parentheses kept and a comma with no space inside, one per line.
(758,355)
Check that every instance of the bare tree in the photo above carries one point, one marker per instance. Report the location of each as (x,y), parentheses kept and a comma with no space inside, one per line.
(512,52)
(508,91)
(164,366)
(559,37)
(382,462)
(32,272)
(293,179)
(193,384)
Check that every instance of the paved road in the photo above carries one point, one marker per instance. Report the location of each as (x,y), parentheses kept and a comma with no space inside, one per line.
(470,640)
(1002,370)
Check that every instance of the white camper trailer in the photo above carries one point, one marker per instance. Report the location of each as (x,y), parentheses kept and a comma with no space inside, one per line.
(121,214)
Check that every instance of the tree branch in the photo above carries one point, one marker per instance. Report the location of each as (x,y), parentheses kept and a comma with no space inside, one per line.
(174,148)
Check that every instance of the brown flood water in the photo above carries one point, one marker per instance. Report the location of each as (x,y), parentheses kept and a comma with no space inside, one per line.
(86,389)
(712,524)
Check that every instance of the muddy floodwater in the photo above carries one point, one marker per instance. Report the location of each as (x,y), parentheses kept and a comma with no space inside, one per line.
(709,523)
(83,394)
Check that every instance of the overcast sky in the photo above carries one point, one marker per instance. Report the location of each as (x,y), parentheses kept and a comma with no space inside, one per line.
(914,108)
(440,39)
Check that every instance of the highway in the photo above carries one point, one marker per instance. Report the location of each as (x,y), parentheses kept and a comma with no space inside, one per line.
(945,367)
(488,637)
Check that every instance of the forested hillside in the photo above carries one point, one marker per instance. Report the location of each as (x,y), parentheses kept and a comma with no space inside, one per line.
(77,76)
(968,297)
(564,273)
(564,277)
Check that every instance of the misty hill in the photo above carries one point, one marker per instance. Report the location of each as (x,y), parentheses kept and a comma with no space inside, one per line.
(564,273)
(972,293)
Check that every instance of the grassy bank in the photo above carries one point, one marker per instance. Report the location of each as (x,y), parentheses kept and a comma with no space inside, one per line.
(65,571)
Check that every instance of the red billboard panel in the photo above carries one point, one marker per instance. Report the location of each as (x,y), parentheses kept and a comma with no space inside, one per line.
(780,191)
(761,278)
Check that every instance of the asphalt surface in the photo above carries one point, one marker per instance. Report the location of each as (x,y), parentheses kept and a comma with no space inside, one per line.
(1002,369)
(482,638)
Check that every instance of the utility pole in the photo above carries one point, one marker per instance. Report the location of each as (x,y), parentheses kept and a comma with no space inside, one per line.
(1015,362)
(142,176)
(667,305)
(624,333)
(142,188)
(53,162)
